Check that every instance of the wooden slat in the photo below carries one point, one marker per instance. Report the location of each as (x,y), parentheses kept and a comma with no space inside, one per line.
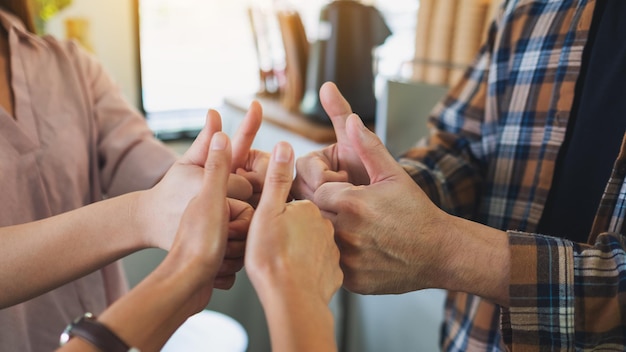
(274,112)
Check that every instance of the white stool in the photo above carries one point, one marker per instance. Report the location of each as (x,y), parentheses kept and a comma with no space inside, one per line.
(208,331)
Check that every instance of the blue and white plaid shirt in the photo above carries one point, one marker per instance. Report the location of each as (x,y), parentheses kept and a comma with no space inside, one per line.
(491,158)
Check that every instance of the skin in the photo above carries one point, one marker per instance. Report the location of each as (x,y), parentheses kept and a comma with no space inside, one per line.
(244,183)
(335,163)
(247,162)
(91,251)
(143,219)
(292,261)
(183,283)
(392,238)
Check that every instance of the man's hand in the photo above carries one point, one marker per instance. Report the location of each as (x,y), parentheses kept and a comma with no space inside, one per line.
(388,232)
(336,163)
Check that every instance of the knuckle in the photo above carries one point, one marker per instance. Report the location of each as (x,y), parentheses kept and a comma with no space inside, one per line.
(339,277)
(302,161)
(225,282)
(279,179)
(308,205)
(350,241)
(350,204)
(230,267)
(215,165)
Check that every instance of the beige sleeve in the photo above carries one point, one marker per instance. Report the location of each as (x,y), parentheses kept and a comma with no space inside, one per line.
(130,157)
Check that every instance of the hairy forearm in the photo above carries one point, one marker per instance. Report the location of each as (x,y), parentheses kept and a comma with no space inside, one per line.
(476,260)
(39,256)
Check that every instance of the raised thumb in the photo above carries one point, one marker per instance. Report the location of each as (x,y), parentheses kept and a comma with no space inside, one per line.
(378,162)
(197,152)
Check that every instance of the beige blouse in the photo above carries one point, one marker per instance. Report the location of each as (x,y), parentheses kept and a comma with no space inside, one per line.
(74,139)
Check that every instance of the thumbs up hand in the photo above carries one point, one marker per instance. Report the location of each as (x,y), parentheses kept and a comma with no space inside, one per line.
(335,163)
(387,231)
(290,245)
(293,262)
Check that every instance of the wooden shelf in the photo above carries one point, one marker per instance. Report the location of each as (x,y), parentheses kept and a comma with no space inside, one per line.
(275,113)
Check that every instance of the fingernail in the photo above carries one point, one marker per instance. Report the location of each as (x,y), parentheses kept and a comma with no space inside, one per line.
(282,153)
(219,141)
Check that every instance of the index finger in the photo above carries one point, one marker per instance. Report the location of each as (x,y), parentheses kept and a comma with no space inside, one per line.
(329,196)
(278,179)
(244,137)
(337,108)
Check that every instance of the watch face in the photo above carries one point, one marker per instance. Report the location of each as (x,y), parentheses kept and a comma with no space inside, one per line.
(65,336)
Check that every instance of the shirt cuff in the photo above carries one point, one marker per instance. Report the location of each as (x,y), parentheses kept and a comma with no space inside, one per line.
(541,292)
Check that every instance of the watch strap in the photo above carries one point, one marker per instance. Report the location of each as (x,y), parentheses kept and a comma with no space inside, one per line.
(94,332)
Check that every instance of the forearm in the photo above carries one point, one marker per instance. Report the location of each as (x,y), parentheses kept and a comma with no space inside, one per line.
(476,260)
(145,162)
(39,256)
(149,314)
(299,321)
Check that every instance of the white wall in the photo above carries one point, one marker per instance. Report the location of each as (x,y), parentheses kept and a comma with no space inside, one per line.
(112,26)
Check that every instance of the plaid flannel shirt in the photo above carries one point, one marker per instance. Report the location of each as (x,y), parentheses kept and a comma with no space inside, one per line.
(491,157)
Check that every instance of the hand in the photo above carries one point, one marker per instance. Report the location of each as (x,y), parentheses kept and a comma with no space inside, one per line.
(183,283)
(201,241)
(238,186)
(290,245)
(161,207)
(250,163)
(336,163)
(387,232)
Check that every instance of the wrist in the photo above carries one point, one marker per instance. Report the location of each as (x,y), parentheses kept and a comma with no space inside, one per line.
(182,276)
(277,276)
(439,235)
(298,320)
(135,319)
(280,292)
(142,218)
(95,333)
(477,260)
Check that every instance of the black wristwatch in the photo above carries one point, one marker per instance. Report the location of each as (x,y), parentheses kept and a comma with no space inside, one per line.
(92,331)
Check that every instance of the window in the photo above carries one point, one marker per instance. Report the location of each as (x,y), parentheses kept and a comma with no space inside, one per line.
(196,52)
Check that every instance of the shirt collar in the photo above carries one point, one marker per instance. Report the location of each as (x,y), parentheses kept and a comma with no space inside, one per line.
(12,23)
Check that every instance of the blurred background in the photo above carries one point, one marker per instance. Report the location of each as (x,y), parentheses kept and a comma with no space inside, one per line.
(393,59)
